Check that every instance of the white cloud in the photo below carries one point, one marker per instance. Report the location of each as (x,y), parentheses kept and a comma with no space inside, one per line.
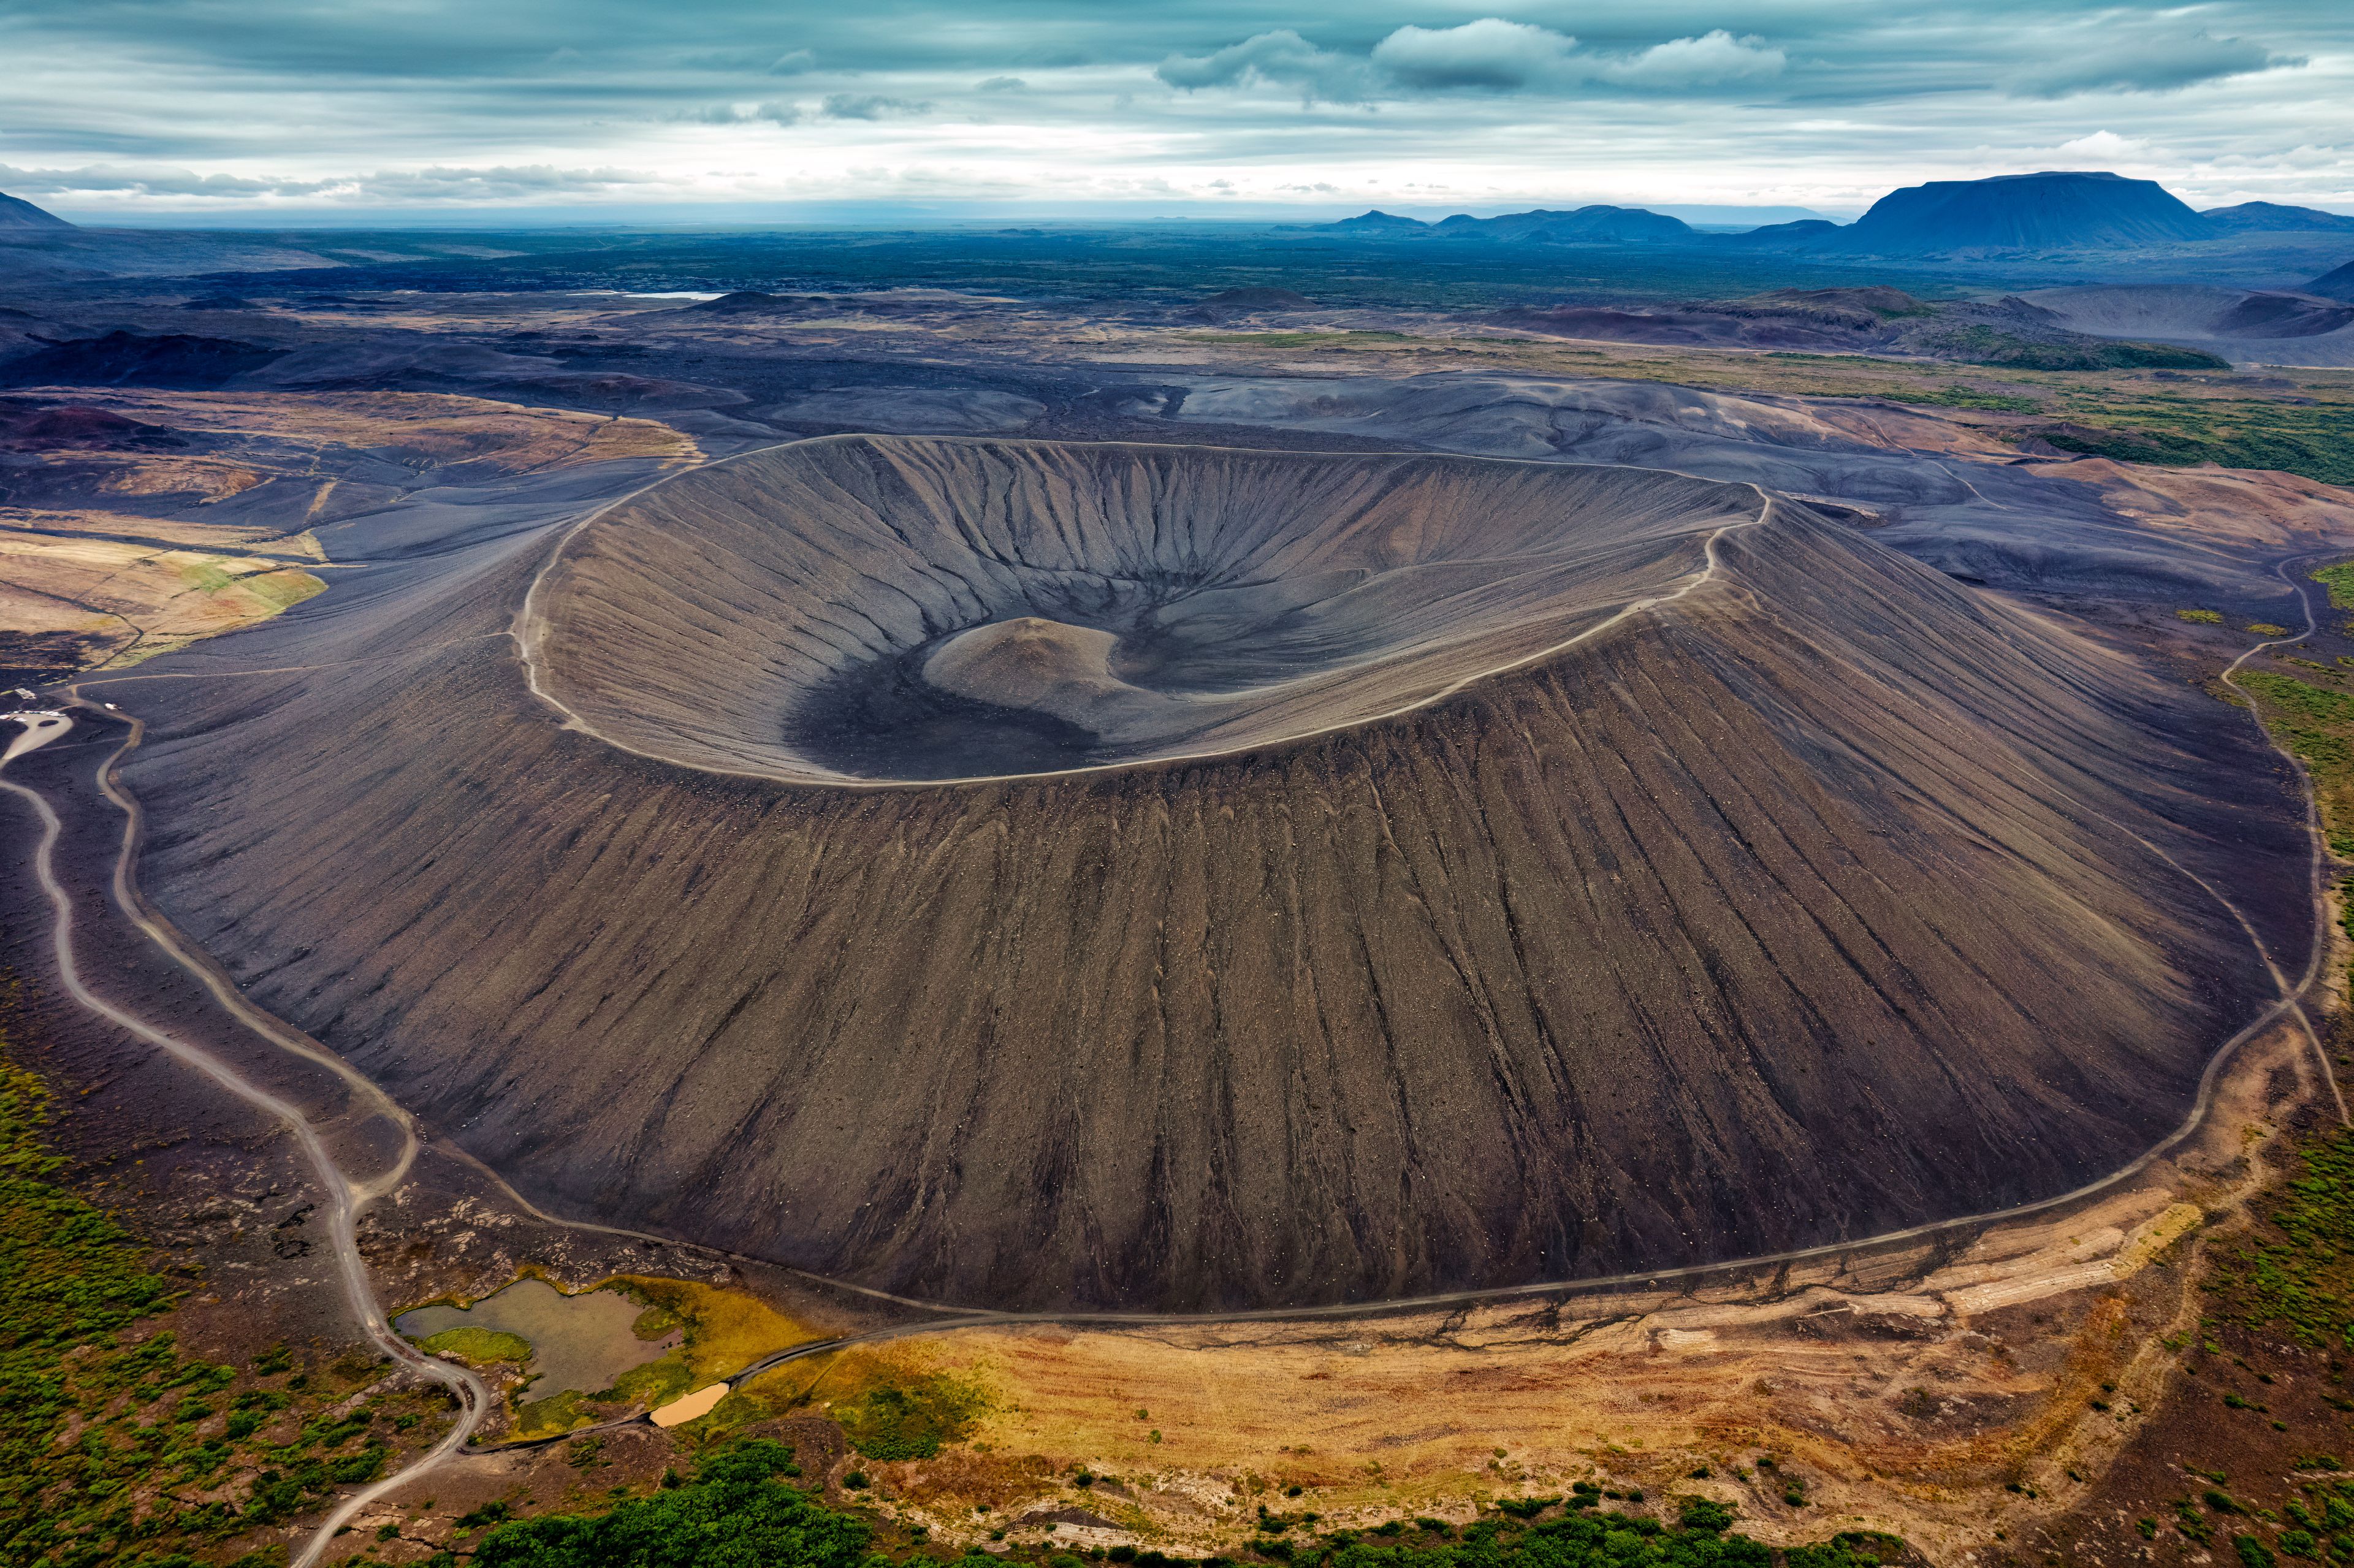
(1488,55)
(1281,57)
(2104,147)
(426,185)
(2132,61)
(1705,61)
(870,106)
(777,113)
(1489,52)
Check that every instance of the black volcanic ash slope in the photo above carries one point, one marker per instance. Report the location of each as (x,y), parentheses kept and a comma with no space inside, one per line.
(1824,900)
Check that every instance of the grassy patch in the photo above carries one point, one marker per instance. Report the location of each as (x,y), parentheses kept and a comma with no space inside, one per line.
(2203,617)
(2339,580)
(725,1331)
(479,1347)
(2317,724)
(2295,1270)
(1983,345)
(1963,397)
(2311,437)
(740,1507)
(913,1422)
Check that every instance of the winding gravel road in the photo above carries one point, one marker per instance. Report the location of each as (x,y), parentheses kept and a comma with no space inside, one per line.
(345,1198)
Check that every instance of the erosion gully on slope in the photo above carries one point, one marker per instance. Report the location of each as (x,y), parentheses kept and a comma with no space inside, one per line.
(347,1195)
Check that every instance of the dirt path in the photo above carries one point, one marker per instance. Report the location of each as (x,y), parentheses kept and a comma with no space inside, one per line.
(344,1197)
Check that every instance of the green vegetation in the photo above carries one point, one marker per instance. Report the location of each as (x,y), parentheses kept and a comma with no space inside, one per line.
(2317,724)
(910,1423)
(740,1508)
(168,1453)
(2296,1269)
(2204,617)
(479,1347)
(1983,345)
(1963,397)
(2309,436)
(2339,580)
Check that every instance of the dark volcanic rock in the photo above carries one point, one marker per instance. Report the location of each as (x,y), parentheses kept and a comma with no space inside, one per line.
(746,303)
(2052,211)
(55,426)
(137,359)
(2279,313)
(2337,284)
(1480,898)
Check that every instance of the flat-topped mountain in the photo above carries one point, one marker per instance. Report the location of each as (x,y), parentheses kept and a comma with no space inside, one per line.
(2052,211)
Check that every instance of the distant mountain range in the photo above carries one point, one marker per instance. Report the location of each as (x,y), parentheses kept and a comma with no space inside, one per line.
(2006,214)
(2056,210)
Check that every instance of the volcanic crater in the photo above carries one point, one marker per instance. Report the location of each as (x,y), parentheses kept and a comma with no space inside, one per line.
(843,610)
(1169,878)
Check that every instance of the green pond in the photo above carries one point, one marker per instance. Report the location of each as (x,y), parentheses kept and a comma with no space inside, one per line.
(581,1343)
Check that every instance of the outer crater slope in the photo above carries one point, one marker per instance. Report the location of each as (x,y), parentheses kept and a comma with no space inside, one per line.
(1385,874)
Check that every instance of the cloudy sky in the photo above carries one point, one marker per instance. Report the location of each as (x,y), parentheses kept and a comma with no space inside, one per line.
(267,110)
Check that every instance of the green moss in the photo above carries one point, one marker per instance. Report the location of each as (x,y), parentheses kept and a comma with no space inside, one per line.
(1983,345)
(909,1423)
(553,1416)
(478,1346)
(2204,617)
(2339,580)
(2312,437)
(2295,1271)
(654,1323)
(656,1383)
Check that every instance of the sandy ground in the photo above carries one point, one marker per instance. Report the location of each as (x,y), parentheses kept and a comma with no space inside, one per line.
(193,514)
